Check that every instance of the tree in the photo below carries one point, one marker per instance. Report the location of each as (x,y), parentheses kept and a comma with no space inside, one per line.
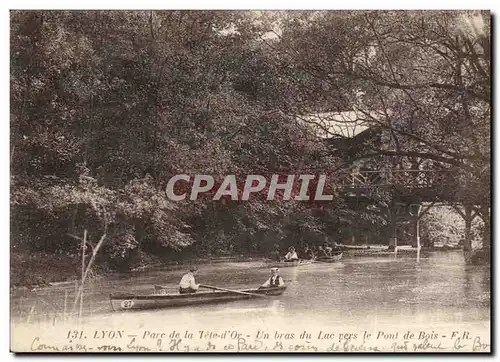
(122,101)
(423,77)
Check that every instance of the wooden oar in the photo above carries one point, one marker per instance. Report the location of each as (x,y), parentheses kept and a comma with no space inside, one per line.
(159,287)
(232,291)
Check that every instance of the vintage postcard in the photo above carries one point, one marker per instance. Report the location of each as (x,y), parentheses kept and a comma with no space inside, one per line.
(250,181)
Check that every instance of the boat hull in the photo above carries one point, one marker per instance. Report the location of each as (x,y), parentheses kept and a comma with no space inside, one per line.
(125,302)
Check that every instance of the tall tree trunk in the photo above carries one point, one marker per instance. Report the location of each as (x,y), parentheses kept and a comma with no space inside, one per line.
(468,227)
(484,212)
(393,240)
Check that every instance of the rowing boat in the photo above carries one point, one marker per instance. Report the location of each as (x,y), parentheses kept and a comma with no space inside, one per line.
(123,302)
(330,259)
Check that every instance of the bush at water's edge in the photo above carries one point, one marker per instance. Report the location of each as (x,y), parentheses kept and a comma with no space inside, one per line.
(31,269)
(39,269)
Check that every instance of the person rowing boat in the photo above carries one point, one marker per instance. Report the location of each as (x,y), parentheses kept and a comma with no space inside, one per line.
(275,280)
(127,301)
(291,255)
(188,282)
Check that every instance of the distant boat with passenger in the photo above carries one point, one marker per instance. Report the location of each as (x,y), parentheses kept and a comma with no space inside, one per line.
(301,262)
(322,254)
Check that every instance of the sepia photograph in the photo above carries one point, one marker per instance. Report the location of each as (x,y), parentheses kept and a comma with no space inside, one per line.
(250,181)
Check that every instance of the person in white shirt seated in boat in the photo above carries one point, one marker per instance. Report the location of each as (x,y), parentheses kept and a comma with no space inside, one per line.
(291,255)
(274,280)
(188,282)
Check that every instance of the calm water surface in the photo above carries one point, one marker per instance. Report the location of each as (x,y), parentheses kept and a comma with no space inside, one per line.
(366,292)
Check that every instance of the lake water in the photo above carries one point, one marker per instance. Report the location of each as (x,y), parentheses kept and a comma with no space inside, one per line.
(371,292)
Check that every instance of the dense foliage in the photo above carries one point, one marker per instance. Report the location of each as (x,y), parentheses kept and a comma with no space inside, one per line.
(106,106)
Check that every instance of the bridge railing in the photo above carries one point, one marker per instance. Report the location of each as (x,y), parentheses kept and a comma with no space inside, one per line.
(406,178)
